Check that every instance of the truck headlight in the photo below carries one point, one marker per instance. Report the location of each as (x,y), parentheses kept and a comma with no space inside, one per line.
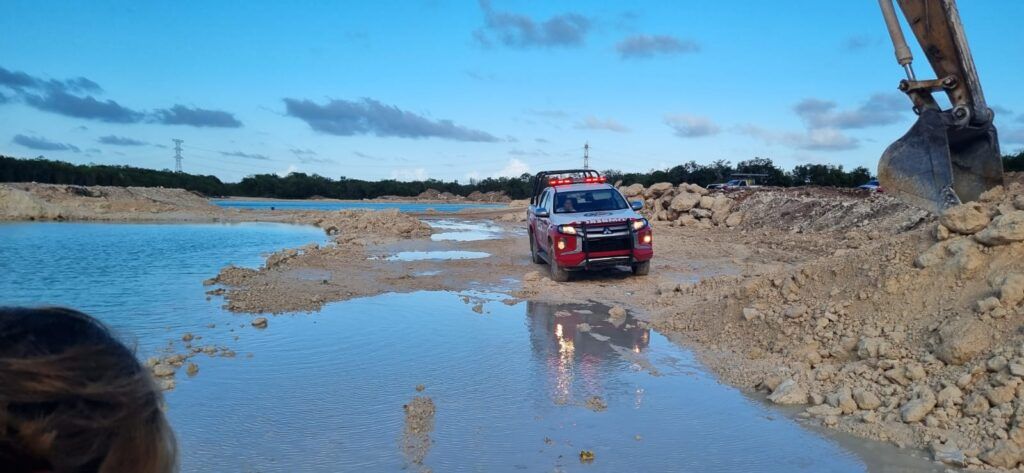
(639,224)
(567,229)
(647,239)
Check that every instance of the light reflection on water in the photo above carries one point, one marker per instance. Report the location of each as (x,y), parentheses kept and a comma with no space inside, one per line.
(324,391)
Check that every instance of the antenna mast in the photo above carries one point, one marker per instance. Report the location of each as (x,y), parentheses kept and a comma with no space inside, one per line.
(177,154)
(586,155)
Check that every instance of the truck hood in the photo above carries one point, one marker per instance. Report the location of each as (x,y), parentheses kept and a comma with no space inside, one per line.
(594,217)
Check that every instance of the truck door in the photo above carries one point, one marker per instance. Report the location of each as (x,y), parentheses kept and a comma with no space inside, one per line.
(540,225)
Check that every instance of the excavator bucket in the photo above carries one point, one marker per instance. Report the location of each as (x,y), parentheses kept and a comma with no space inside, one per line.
(938,164)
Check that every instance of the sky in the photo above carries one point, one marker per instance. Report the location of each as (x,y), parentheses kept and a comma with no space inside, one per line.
(460,90)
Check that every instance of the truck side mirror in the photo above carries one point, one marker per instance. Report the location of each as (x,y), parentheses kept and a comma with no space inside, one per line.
(540,212)
(637,205)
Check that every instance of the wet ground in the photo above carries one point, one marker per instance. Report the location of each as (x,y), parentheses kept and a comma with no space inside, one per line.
(513,386)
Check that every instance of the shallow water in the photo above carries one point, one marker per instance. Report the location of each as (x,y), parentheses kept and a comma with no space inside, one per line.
(144,280)
(335,205)
(455,230)
(324,391)
(436,255)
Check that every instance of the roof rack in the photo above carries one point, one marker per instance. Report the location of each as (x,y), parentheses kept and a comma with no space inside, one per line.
(542,180)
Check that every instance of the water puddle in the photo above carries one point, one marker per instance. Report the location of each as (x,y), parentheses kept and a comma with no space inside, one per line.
(436,255)
(455,382)
(464,231)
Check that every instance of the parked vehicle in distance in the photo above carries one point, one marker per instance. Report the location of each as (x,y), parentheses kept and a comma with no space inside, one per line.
(577,221)
(734,184)
(871,186)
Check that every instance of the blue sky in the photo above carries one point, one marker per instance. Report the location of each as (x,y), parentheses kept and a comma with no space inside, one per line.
(462,89)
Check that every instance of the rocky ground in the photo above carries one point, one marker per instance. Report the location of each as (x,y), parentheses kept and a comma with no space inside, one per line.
(878,318)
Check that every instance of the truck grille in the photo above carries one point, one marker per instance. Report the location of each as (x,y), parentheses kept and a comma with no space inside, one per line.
(607,244)
(610,237)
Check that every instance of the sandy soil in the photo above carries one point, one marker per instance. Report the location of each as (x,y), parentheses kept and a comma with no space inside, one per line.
(879,319)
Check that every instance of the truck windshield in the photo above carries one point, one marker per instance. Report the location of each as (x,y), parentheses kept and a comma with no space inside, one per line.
(588,201)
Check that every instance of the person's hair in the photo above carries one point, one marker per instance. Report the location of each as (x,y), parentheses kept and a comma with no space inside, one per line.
(75,399)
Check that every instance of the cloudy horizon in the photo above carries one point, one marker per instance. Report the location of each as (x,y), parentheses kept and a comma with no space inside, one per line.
(463,90)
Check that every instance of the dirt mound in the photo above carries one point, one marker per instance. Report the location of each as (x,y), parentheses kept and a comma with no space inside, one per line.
(31,201)
(911,337)
(826,209)
(354,226)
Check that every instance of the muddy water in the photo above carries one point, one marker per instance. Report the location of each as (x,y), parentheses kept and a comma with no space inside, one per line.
(512,387)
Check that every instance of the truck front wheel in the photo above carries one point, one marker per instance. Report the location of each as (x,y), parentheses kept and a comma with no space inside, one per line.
(641,268)
(558,274)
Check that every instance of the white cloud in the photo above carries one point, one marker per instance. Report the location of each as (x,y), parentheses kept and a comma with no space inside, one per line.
(594,123)
(819,139)
(514,168)
(409,174)
(691,126)
(291,168)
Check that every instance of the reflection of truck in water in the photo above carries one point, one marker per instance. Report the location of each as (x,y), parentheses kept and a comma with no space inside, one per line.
(571,355)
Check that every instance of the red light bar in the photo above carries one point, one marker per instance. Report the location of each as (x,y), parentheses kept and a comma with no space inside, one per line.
(568,180)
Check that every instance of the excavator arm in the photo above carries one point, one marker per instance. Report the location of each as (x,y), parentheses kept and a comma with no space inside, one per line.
(950,155)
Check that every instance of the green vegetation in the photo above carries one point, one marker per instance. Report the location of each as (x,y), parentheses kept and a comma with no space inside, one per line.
(300,185)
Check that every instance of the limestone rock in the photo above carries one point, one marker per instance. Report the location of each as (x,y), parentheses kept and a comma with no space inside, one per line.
(975,405)
(872,347)
(706,202)
(917,408)
(949,395)
(259,322)
(796,311)
(962,340)
(162,370)
(1005,454)
(686,220)
(734,219)
(700,213)
(965,219)
(1011,290)
(750,313)
(656,190)
(1004,229)
(949,454)
(633,190)
(684,202)
(789,392)
(998,396)
(934,255)
(987,305)
(866,400)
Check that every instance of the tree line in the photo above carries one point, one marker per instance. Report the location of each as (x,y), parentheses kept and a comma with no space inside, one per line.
(299,185)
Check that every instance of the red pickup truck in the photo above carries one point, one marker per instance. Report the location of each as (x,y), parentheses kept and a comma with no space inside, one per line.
(577,221)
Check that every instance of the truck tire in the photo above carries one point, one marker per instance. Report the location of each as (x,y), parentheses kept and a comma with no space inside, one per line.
(641,268)
(558,274)
(534,256)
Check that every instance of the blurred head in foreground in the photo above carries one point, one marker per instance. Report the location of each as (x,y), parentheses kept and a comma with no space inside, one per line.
(75,399)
